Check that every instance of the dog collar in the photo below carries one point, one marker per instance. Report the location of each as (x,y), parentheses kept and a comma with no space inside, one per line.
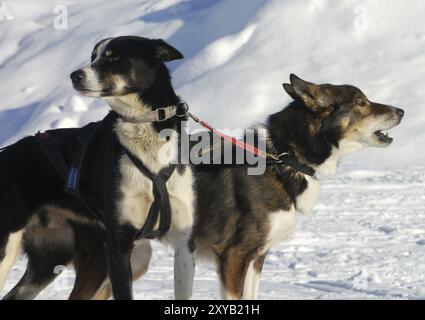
(158,115)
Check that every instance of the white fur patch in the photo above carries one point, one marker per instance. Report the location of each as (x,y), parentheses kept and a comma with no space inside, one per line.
(252,283)
(13,248)
(119,83)
(101,48)
(255,284)
(184,266)
(128,106)
(226,295)
(137,197)
(91,81)
(248,289)
(282,225)
(346,146)
(307,199)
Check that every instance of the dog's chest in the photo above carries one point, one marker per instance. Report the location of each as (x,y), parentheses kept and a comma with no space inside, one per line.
(282,225)
(135,189)
(137,196)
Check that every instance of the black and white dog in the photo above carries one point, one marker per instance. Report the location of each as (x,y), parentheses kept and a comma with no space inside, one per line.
(240,217)
(130,75)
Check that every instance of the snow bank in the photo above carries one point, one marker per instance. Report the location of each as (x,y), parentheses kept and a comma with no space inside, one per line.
(238,52)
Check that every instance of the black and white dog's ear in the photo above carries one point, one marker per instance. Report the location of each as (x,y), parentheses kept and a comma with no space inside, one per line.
(95,50)
(165,52)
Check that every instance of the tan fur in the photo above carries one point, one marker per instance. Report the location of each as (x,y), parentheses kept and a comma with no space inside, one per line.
(259,262)
(90,274)
(233,267)
(13,247)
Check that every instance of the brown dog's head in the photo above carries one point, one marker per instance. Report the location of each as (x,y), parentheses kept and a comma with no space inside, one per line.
(346,109)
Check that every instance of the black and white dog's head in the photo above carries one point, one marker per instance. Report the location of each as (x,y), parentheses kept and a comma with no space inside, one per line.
(123,65)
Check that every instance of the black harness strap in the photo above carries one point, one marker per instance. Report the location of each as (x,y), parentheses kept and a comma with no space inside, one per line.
(161,204)
(53,153)
(160,208)
(286,160)
(290,163)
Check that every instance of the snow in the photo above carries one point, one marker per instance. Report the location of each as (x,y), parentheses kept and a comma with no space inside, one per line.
(365,238)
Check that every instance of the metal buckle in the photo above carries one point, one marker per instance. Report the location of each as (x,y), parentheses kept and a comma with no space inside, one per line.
(280,157)
(161,114)
(182,109)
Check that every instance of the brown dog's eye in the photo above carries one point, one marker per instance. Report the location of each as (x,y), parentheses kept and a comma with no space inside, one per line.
(361,102)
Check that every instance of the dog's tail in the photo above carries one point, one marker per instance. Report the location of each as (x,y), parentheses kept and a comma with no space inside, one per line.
(10,248)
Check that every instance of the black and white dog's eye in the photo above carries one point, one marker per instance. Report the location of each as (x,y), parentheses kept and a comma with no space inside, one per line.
(112,56)
(115,58)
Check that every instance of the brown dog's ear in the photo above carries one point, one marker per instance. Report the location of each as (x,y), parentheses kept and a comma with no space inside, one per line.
(289,90)
(165,52)
(310,93)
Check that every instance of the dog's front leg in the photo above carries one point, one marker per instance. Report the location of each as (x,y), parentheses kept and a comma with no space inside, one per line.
(252,278)
(184,267)
(119,245)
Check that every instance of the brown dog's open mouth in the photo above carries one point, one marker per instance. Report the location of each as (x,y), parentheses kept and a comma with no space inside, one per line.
(383,137)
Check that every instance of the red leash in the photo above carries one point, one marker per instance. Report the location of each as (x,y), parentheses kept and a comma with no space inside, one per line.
(282,159)
(246,146)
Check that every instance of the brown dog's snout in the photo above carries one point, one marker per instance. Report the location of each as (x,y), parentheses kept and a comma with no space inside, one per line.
(399,112)
(78,76)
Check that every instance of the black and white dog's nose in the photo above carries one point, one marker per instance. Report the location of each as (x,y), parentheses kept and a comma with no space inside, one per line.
(77,76)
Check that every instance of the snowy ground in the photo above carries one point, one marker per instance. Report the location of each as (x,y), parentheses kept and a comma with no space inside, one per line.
(366,237)
(365,240)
